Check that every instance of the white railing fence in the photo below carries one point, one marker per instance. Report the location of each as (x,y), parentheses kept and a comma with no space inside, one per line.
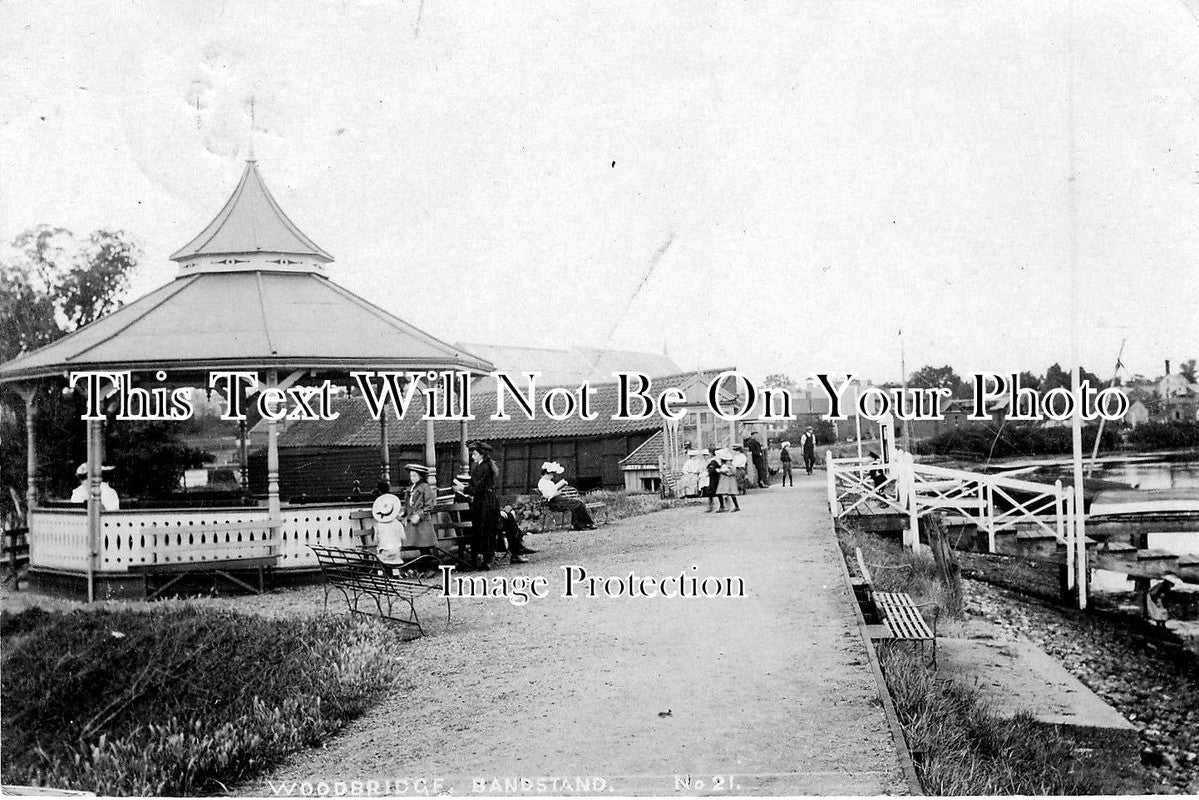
(993,503)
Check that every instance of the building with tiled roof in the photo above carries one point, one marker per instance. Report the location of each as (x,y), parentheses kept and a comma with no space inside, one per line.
(335,456)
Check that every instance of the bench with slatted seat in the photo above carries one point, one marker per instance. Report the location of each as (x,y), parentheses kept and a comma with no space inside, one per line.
(561,519)
(359,575)
(898,612)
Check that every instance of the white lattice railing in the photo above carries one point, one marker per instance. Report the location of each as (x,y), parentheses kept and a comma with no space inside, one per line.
(138,538)
(902,486)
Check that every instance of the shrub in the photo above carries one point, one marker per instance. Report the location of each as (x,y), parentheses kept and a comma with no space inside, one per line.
(180,700)
(982,440)
(1164,435)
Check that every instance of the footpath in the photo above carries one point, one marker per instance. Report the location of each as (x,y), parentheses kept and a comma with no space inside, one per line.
(771,693)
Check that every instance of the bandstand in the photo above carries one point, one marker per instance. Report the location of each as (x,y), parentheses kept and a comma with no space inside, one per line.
(251,294)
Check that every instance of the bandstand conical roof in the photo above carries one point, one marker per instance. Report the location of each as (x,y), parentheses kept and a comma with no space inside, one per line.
(251,293)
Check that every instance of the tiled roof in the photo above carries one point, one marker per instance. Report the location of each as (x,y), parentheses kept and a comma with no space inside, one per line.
(245,320)
(647,454)
(356,428)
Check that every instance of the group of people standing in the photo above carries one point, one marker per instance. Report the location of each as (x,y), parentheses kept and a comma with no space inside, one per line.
(723,473)
(807,446)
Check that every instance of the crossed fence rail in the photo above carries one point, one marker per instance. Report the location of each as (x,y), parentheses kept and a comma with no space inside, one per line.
(994,503)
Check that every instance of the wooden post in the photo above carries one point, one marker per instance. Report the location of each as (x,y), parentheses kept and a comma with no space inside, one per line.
(93,503)
(463,453)
(831,484)
(243,457)
(947,566)
(908,480)
(430,451)
(31,493)
(274,509)
(384,454)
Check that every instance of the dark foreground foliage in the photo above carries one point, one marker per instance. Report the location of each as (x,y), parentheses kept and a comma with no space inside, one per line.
(176,701)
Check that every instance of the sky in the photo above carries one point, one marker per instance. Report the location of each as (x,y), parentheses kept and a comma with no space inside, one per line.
(782,187)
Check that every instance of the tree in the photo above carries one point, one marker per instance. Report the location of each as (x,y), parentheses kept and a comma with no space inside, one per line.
(930,377)
(778,380)
(51,285)
(55,285)
(1187,370)
(1058,377)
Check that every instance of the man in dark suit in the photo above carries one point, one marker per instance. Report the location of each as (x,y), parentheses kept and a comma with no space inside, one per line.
(759,456)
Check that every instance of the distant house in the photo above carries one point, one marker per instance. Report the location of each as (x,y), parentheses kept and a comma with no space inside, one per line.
(1179,399)
(1137,414)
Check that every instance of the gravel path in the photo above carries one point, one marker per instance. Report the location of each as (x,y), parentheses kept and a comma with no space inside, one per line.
(772,691)
(1152,681)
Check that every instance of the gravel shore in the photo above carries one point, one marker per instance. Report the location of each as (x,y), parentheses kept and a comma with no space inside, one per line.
(1150,678)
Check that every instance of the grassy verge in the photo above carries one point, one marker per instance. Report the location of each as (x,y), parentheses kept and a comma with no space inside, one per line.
(622,504)
(958,744)
(960,747)
(176,701)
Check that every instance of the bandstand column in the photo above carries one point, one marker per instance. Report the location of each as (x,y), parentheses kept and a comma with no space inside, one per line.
(94,446)
(430,451)
(463,453)
(30,397)
(384,456)
(272,460)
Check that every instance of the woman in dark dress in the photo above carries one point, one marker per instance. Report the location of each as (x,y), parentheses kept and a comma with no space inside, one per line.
(484,504)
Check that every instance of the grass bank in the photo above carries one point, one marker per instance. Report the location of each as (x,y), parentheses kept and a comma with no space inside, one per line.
(958,744)
(177,701)
(960,747)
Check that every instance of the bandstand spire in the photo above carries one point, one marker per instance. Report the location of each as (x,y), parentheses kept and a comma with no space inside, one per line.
(251,233)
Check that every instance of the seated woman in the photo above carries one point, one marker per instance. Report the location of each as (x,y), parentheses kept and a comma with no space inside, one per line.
(561,496)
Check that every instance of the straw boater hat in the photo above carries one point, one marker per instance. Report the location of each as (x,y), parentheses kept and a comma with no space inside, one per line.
(724,454)
(419,468)
(786,445)
(81,471)
(695,452)
(386,508)
(552,466)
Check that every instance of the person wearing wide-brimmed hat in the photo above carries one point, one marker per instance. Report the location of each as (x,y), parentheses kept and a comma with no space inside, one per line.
(418,509)
(741,466)
(807,445)
(561,496)
(109,499)
(726,485)
(785,462)
(484,504)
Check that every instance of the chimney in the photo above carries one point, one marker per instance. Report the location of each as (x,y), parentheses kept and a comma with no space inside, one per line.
(1167,366)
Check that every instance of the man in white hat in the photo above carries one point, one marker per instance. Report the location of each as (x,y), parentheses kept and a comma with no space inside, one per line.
(109,501)
(561,496)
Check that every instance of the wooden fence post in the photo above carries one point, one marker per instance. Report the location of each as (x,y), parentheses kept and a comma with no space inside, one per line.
(947,566)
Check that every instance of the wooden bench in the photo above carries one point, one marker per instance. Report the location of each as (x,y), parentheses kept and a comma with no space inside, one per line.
(359,574)
(451,521)
(561,519)
(898,613)
(16,551)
